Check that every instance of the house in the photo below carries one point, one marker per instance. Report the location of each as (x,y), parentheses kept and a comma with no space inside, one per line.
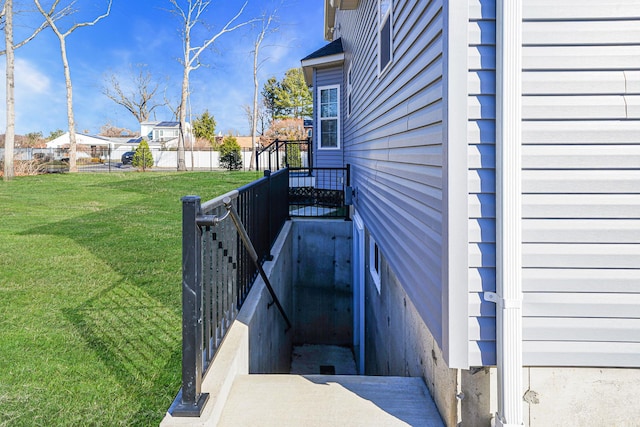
(494,149)
(165,134)
(88,145)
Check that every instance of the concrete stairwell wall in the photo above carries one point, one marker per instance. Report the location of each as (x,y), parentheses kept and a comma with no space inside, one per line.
(322,282)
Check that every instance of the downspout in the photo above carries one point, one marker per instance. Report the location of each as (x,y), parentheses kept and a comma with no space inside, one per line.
(508,296)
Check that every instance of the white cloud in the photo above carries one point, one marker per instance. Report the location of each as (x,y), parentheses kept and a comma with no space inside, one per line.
(30,80)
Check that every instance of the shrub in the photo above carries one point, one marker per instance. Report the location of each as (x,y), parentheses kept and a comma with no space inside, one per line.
(142,159)
(294,158)
(230,154)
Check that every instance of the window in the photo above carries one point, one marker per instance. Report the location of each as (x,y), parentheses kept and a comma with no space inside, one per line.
(384,34)
(329,119)
(374,262)
(349,90)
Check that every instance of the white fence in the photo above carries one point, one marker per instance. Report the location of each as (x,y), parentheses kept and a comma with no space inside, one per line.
(162,159)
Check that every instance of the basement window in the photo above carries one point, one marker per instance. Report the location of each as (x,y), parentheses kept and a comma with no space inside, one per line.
(385,40)
(349,89)
(374,262)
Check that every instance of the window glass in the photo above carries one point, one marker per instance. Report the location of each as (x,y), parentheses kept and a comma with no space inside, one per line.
(329,117)
(329,131)
(374,262)
(349,90)
(384,34)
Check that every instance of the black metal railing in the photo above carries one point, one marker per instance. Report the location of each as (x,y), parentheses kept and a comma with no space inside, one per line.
(282,154)
(319,192)
(218,271)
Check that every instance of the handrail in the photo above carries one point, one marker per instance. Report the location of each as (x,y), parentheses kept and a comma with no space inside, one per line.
(217,273)
(254,256)
(277,145)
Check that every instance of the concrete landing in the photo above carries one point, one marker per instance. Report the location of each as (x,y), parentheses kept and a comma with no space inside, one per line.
(328,400)
(312,359)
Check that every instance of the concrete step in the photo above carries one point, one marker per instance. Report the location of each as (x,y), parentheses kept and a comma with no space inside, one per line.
(328,400)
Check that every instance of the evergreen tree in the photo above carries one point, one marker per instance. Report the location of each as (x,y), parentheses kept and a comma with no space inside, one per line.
(230,154)
(290,98)
(204,127)
(142,159)
(293,96)
(269,96)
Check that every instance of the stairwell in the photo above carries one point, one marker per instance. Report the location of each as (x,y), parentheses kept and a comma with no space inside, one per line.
(308,398)
(262,376)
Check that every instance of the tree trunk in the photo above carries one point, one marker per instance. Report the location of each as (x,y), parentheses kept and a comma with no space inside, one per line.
(254,116)
(73,167)
(11,114)
(182,166)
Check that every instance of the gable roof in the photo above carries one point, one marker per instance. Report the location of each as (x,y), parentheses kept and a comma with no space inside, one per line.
(329,55)
(332,48)
(167,125)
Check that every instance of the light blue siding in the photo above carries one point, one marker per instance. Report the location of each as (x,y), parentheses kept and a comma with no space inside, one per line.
(394,143)
(481,160)
(328,158)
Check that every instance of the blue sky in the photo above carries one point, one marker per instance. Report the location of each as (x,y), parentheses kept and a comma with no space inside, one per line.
(145,32)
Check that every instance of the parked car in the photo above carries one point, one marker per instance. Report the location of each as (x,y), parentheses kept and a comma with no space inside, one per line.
(127,158)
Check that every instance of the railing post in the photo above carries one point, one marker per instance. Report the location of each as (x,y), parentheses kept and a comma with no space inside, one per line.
(267,175)
(192,400)
(346,187)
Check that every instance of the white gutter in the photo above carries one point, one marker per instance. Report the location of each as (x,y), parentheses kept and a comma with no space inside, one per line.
(508,296)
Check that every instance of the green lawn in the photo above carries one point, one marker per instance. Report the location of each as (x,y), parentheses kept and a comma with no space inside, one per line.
(90,295)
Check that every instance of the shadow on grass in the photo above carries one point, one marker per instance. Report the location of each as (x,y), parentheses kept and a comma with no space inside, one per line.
(133,326)
(131,319)
(137,339)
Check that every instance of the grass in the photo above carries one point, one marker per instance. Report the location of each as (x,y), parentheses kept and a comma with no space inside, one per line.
(90,286)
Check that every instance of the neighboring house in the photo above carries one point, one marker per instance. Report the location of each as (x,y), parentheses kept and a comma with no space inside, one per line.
(308,128)
(88,145)
(165,134)
(81,139)
(495,167)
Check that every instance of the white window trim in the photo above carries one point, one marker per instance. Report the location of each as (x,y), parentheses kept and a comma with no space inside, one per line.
(381,19)
(319,119)
(349,100)
(375,274)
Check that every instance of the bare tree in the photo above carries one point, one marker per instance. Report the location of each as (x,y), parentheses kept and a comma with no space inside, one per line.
(110,130)
(266,22)
(51,16)
(191,15)
(10,133)
(173,106)
(140,100)
(261,114)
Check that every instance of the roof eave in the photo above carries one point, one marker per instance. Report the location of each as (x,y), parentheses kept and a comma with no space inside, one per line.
(329,19)
(323,62)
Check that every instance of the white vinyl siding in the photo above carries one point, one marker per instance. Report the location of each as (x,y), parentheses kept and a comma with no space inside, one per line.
(581,149)
(581,182)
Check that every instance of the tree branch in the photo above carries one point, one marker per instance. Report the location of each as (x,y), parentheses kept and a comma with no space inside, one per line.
(227,28)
